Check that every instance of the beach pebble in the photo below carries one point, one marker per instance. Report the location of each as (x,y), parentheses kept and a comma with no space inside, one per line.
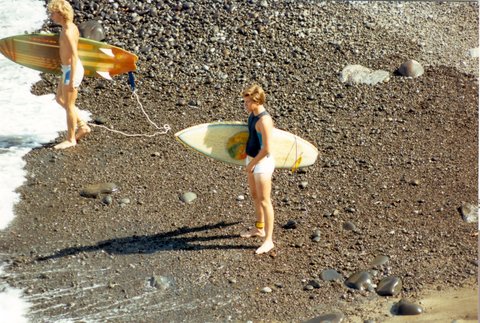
(411,68)
(291,224)
(107,200)
(316,236)
(469,213)
(361,280)
(303,185)
(160,282)
(266,290)
(95,189)
(405,307)
(328,318)
(125,200)
(473,52)
(379,260)
(349,226)
(241,198)
(389,286)
(188,197)
(330,275)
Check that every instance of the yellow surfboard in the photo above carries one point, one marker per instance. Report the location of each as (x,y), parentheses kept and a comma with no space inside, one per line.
(41,52)
(226,141)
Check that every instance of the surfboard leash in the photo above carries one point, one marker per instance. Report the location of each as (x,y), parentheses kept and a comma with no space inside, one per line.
(163,130)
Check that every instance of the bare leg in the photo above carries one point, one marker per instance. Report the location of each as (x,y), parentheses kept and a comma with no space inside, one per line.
(69,98)
(82,126)
(254,232)
(263,184)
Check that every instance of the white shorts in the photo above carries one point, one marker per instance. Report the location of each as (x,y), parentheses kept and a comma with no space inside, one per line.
(67,70)
(265,166)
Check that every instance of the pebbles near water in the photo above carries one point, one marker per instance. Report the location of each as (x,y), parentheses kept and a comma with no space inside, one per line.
(397,160)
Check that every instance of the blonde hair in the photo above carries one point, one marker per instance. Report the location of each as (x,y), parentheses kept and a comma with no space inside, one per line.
(63,8)
(256,93)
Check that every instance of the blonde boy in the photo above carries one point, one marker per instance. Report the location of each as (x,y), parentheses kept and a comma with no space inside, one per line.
(61,13)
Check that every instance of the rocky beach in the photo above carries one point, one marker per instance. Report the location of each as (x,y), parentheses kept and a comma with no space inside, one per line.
(393,194)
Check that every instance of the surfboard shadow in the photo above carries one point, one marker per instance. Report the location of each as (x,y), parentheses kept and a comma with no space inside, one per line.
(148,244)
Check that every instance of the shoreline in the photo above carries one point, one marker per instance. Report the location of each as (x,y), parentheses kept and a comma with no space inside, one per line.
(157,257)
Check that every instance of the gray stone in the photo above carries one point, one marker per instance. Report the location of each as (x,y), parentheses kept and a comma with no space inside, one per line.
(361,280)
(330,275)
(389,286)
(411,68)
(473,52)
(349,226)
(328,318)
(92,29)
(358,74)
(160,282)
(469,213)
(405,307)
(188,197)
(379,260)
(107,200)
(125,200)
(266,290)
(94,190)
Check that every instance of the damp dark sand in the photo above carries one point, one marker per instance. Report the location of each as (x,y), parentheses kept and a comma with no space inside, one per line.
(397,160)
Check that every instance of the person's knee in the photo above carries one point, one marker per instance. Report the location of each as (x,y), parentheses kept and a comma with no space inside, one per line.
(265,202)
(59,100)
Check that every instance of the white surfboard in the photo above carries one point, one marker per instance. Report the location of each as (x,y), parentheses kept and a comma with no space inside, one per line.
(226,141)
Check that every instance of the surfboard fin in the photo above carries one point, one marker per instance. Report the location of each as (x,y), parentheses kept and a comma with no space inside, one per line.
(296,164)
(105,75)
(107,51)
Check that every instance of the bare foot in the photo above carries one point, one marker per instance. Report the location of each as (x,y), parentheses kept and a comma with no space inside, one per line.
(265,247)
(82,132)
(65,144)
(254,232)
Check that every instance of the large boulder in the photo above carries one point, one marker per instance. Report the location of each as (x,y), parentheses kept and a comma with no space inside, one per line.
(92,29)
(358,74)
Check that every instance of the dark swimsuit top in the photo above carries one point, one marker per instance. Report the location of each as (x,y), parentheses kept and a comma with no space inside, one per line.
(254,142)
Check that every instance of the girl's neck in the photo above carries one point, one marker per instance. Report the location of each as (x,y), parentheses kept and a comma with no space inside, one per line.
(258,109)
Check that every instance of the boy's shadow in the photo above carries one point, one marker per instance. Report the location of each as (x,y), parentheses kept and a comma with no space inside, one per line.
(172,240)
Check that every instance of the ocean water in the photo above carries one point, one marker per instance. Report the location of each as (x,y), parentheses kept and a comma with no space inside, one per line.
(26,121)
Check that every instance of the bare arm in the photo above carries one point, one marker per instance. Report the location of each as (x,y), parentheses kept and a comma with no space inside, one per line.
(71,43)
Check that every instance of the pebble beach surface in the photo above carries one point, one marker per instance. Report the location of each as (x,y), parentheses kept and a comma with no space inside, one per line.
(138,229)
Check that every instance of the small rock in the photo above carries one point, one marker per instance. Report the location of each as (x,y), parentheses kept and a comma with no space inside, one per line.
(389,286)
(406,308)
(328,318)
(160,282)
(411,68)
(291,224)
(469,213)
(241,198)
(473,52)
(107,200)
(125,200)
(303,185)
(349,226)
(379,260)
(360,280)
(330,275)
(95,189)
(266,290)
(188,197)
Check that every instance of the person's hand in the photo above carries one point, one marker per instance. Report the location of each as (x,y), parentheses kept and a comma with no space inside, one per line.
(250,167)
